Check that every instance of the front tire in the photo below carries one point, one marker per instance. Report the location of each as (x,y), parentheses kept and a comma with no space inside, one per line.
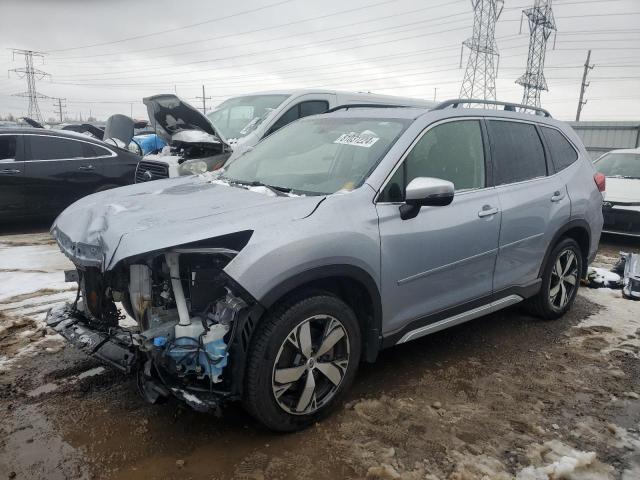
(560,281)
(304,356)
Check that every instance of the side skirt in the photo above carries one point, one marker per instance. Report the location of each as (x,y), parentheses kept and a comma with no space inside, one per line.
(461,313)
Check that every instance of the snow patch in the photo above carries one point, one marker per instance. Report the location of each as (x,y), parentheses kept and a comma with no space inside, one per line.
(555,460)
(602,277)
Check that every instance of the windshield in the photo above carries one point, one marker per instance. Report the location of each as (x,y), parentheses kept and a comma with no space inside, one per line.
(239,116)
(318,155)
(625,165)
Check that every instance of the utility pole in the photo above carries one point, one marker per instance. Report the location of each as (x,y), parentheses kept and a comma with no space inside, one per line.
(541,24)
(204,101)
(60,106)
(31,74)
(435,91)
(582,102)
(482,66)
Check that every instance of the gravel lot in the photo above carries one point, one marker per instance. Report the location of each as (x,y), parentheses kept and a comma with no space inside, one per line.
(503,396)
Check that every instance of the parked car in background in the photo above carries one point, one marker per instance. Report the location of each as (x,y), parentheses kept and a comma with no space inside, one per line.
(621,206)
(43,171)
(237,124)
(341,234)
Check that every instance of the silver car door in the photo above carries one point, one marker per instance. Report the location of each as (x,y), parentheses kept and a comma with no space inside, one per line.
(445,256)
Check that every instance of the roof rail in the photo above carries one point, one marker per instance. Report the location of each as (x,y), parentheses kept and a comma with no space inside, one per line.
(362,105)
(508,106)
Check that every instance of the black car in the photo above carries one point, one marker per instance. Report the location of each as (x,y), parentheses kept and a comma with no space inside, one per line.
(44,171)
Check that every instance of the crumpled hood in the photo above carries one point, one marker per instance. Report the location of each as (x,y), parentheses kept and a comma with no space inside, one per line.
(106,227)
(626,190)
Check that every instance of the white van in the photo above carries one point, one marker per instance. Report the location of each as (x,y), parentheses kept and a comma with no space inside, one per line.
(197,144)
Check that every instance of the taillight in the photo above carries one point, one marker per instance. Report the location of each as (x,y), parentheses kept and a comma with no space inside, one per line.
(600,180)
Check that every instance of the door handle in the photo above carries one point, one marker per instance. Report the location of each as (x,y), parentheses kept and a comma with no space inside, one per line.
(86,167)
(487,211)
(557,196)
(9,171)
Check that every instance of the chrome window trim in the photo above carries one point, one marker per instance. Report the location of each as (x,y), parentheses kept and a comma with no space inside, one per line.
(410,148)
(113,154)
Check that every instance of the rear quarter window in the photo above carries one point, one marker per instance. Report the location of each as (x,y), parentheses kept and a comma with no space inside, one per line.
(516,150)
(562,152)
(91,150)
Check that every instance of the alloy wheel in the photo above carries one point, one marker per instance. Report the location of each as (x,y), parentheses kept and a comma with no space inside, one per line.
(310,365)
(564,279)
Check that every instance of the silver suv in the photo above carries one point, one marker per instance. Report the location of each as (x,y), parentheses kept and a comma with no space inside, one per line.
(337,236)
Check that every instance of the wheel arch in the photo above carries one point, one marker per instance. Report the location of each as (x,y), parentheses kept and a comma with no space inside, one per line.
(351,284)
(579,231)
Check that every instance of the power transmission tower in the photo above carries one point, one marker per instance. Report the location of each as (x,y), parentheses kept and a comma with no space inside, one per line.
(582,102)
(204,101)
(60,106)
(541,24)
(482,66)
(31,74)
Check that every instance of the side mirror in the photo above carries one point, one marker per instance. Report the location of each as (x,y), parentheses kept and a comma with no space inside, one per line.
(423,192)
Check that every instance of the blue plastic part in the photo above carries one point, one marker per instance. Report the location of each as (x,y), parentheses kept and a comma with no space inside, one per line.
(159,341)
(212,362)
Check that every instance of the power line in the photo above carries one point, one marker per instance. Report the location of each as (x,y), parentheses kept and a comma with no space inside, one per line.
(176,29)
(271,51)
(273,27)
(374,32)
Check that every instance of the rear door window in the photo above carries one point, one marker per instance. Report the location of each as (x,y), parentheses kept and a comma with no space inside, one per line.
(562,152)
(516,150)
(45,147)
(8,147)
(451,151)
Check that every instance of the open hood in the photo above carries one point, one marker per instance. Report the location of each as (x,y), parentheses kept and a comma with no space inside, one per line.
(119,128)
(32,122)
(168,115)
(92,130)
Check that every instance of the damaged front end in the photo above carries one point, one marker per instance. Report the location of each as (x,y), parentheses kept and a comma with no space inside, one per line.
(192,323)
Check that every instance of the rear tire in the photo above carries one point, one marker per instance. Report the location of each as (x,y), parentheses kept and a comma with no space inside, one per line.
(560,281)
(303,357)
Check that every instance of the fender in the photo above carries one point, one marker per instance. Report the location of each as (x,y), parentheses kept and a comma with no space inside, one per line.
(372,334)
(580,223)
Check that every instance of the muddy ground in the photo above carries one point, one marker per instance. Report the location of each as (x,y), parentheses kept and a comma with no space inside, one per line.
(504,396)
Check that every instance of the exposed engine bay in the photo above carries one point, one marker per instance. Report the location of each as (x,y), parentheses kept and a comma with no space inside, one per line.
(190,318)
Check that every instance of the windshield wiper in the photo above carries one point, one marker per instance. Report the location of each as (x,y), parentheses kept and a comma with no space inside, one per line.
(279,191)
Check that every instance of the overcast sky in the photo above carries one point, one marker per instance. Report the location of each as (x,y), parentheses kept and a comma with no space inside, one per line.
(105,56)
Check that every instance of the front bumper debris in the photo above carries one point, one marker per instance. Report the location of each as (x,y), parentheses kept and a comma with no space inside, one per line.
(116,347)
(119,348)
(80,253)
(631,280)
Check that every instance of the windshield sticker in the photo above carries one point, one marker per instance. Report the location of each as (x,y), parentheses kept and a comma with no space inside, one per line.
(357,140)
